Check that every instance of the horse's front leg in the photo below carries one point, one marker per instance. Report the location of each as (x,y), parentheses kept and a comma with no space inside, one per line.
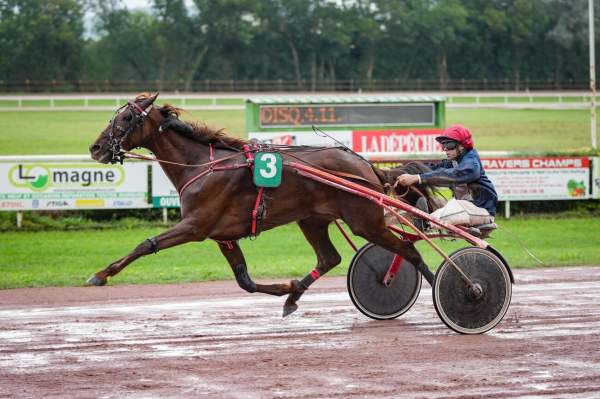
(184,231)
(232,252)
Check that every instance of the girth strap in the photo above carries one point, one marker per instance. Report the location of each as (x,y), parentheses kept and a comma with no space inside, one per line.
(258,210)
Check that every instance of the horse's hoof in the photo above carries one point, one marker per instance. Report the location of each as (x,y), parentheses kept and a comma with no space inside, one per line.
(96,281)
(289,309)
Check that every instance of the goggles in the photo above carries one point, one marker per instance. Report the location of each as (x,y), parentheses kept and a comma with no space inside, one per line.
(449,145)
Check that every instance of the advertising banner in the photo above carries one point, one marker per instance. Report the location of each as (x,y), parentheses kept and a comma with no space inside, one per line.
(411,141)
(539,178)
(55,185)
(164,194)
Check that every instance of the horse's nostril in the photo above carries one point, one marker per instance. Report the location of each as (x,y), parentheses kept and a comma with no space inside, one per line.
(94,148)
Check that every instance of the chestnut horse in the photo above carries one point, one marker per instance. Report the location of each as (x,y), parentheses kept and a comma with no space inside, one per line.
(218,195)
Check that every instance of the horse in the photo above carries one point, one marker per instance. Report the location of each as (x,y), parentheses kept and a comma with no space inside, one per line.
(219,200)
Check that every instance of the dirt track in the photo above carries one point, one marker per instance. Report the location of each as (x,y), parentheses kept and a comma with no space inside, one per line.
(213,340)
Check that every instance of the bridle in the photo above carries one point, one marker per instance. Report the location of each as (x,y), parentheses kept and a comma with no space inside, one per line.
(138,116)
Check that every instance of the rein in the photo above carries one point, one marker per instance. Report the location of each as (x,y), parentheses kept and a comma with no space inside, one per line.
(133,155)
(210,165)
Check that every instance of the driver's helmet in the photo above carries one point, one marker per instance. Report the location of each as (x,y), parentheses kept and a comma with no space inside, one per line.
(457,133)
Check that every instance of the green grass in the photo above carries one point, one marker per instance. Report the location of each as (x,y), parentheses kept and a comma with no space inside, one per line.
(25,133)
(46,133)
(35,103)
(231,101)
(9,103)
(526,129)
(491,100)
(68,103)
(61,258)
(575,99)
(462,100)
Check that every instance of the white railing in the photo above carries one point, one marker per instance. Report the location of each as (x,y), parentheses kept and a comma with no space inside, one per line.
(235,101)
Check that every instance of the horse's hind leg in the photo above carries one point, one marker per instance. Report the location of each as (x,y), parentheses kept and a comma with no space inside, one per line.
(316,232)
(232,252)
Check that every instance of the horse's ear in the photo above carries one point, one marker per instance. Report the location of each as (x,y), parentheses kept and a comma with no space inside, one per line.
(148,101)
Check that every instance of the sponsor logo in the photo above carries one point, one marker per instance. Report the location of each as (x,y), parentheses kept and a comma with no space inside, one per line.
(168,202)
(35,203)
(39,177)
(407,141)
(56,204)
(535,163)
(122,203)
(89,203)
(12,205)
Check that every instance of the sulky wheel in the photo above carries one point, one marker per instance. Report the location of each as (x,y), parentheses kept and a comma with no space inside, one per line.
(366,287)
(472,309)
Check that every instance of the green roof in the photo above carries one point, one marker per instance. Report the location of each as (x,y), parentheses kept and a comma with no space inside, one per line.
(340,99)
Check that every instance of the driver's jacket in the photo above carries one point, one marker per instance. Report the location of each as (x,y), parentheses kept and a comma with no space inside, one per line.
(466,178)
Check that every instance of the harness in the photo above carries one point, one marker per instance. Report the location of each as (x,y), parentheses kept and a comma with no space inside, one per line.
(138,115)
(259,209)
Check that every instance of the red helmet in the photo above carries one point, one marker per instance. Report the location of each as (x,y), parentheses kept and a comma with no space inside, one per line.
(457,133)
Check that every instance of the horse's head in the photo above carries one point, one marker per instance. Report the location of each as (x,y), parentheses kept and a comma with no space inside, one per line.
(126,130)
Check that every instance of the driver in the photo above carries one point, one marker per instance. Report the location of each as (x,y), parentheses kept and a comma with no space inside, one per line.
(462,171)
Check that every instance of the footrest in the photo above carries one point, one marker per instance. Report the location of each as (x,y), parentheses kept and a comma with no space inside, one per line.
(488,226)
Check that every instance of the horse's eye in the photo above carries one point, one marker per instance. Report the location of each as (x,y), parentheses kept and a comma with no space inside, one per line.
(128,117)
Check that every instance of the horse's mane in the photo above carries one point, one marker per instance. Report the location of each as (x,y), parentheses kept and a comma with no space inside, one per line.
(198,131)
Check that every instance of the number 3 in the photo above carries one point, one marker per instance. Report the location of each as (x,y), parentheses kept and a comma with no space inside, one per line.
(271,165)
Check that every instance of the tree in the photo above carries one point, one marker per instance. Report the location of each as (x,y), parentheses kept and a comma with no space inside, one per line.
(566,36)
(41,39)
(225,34)
(129,41)
(444,22)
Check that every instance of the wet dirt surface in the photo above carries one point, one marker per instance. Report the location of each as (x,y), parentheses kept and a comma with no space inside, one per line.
(214,340)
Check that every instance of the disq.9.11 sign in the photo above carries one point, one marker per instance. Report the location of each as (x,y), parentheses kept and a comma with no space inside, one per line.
(50,185)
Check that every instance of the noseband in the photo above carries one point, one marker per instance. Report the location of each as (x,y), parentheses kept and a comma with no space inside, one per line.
(138,116)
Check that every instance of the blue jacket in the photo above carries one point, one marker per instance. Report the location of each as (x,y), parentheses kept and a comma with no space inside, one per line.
(466,170)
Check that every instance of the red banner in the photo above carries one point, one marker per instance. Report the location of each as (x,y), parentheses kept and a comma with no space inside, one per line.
(407,141)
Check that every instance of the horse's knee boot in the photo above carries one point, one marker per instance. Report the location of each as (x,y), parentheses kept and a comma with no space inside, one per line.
(243,278)
(149,246)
